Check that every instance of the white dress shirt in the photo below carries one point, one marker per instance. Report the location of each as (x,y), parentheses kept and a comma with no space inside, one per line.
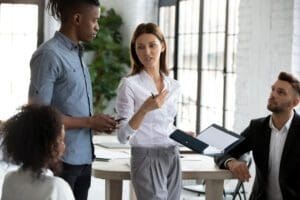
(157,125)
(277,142)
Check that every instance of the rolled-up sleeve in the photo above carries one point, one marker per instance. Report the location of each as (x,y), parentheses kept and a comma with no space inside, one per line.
(125,109)
(44,68)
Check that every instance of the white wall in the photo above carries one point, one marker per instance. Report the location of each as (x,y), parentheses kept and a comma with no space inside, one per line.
(296,38)
(50,24)
(133,12)
(266,47)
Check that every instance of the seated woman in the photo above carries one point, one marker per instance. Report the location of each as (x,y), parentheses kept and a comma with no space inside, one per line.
(34,140)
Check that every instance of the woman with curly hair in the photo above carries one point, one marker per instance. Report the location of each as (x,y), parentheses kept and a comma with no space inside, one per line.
(34,140)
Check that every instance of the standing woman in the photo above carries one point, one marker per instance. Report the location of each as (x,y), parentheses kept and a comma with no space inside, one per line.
(147,101)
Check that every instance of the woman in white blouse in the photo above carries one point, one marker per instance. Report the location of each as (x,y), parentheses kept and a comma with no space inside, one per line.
(147,103)
(34,140)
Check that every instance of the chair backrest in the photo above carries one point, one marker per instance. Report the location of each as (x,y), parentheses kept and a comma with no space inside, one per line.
(240,185)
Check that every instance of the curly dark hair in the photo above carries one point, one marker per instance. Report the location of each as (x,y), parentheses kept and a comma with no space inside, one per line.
(59,9)
(136,65)
(30,137)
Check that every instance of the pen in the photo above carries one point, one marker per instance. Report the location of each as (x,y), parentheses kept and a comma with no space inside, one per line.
(152,95)
(120,119)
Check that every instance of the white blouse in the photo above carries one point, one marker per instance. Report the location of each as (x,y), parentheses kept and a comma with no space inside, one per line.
(157,124)
(21,185)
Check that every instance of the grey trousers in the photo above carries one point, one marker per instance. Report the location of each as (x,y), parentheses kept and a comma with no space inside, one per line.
(156,173)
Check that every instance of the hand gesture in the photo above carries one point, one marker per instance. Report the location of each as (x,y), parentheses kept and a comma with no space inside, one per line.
(239,169)
(103,123)
(154,102)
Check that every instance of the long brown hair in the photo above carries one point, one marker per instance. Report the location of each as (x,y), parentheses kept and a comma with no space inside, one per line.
(136,65)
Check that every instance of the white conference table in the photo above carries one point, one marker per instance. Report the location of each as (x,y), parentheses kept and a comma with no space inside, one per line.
(194,167)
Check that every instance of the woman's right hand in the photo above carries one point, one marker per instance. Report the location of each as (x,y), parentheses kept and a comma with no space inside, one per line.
(154,102)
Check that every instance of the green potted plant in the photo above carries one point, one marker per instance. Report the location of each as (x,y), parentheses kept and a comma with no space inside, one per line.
(111,59)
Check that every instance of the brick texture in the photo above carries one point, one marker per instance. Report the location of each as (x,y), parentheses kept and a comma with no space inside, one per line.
(266,47)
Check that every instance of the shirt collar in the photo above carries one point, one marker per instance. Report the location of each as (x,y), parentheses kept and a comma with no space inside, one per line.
(287,125)
(146,77)
(68,42)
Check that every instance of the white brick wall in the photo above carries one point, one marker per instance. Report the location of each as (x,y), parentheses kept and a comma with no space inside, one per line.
(296,38)
(264,49)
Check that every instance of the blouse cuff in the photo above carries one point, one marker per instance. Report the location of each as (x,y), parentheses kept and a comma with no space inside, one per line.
(125,132)
(128,130)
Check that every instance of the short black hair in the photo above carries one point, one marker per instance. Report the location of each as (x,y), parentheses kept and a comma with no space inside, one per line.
(60,8)
(30,137)
(294,82)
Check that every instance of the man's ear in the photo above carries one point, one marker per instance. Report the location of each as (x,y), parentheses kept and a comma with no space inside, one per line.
(77,18)
(296,101)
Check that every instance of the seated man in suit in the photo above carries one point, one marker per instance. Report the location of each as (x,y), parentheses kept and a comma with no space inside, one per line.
(275,143)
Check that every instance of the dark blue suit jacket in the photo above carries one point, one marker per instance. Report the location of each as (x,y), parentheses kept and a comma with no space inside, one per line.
(257,139)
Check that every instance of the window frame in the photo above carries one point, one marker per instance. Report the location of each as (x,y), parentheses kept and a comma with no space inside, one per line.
(225,68)
(41,8)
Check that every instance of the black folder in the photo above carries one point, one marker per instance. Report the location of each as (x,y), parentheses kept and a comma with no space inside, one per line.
(198,145)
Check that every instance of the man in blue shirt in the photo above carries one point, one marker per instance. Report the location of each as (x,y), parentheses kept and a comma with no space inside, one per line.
(60,78)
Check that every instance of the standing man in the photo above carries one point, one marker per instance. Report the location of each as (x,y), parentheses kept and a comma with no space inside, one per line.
(275,143)
(61,79)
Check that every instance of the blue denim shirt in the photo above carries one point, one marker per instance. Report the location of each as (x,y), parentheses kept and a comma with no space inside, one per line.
(61,79)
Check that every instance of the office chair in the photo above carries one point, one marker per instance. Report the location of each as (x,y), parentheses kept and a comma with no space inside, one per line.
(237,191)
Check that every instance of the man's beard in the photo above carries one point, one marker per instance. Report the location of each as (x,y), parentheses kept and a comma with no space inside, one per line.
(278,108)
(274,109)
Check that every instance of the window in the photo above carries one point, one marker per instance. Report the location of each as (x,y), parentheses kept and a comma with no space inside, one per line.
(21,25)
(202,42)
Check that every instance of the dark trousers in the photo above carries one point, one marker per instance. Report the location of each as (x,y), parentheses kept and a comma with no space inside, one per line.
(79,178)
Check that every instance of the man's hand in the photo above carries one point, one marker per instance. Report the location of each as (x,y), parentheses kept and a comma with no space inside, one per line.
(103,123)
(239,169)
